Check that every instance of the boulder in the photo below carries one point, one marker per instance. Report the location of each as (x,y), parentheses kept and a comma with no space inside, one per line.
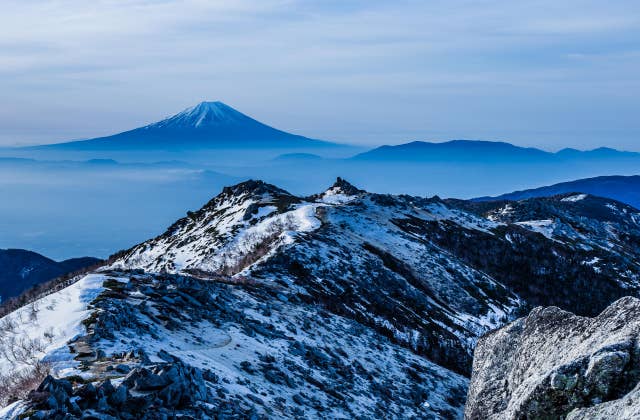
(553,364)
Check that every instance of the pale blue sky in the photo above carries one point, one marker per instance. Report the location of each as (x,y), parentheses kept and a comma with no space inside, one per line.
(545,73)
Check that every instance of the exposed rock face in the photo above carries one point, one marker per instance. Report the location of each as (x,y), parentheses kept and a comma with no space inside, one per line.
(627,407)
(553,364)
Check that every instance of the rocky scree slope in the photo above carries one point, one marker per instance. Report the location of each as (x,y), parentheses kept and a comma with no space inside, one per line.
(553,364)
(343,304)
(165,345)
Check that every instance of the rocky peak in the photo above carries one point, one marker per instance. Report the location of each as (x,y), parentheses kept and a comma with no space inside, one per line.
(345,187)
(254,192)
(340,192)
(227,234)
(253,188)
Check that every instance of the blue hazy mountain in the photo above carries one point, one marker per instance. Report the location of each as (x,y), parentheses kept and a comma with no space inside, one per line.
(21,269)
(297,157)
(599,153)
(480,151)
(208,125)
(621,188)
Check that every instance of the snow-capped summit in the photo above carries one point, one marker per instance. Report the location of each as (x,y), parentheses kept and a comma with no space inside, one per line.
(205,114)
(224,235)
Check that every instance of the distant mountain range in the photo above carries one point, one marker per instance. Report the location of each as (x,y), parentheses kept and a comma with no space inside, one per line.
(21,269)
(622,188)
(208,125)
(296,157)
(215,126)
(480,151)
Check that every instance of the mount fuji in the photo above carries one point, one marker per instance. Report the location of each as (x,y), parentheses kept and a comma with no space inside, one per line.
(208,125)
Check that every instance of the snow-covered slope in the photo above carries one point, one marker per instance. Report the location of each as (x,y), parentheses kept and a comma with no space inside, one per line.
(46,326)
(576,219)
(244,220)
(340,305)
(260,350)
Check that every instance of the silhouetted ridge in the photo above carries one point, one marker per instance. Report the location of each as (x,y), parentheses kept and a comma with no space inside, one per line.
(621,188)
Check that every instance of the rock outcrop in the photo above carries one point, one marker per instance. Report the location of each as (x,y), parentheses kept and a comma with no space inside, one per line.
(553,364)
(154,392)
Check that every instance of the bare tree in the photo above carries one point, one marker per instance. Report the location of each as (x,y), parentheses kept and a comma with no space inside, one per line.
(17,385)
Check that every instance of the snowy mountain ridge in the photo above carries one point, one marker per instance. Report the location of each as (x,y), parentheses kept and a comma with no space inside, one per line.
(235,222)
(225,230)
(339,305)
(337,240)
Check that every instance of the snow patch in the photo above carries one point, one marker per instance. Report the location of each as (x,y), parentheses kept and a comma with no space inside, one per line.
(544,227)
(49,324)
(574,198)
(503,211)
(335,195)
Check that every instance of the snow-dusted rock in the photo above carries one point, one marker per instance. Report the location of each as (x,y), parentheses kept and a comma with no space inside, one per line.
(553,364)
(627,407)
(243,221)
